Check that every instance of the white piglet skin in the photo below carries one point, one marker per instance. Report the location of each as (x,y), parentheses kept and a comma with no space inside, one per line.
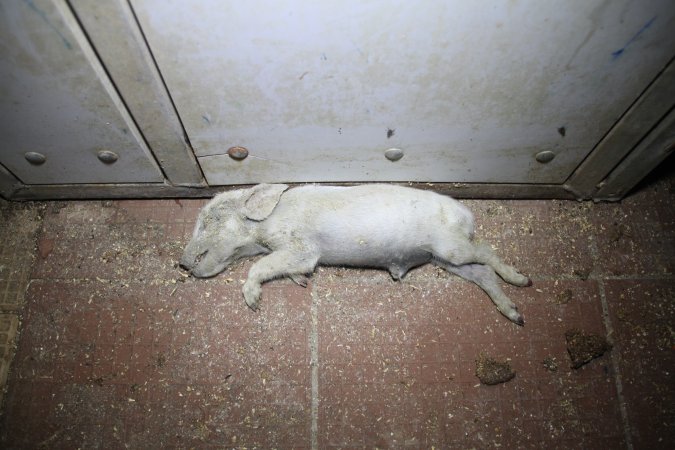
(376,225)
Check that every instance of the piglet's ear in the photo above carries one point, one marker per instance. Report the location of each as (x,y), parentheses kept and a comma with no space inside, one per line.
(262,200)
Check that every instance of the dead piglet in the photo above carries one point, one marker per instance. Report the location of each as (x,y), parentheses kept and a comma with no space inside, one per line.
(379,226)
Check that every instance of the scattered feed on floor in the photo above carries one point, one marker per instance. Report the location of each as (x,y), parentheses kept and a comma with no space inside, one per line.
(564,297)
(550,364)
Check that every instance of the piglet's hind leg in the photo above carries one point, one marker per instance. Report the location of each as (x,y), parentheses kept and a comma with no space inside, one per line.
(485,255)
(459,251)
(485,277)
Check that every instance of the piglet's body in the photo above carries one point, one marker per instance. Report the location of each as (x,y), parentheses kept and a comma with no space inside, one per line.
(380,226)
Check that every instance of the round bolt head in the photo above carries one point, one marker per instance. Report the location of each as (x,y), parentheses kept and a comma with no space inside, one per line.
(35,158)
(108,157)
(545,157)
(237,153)
(393,154)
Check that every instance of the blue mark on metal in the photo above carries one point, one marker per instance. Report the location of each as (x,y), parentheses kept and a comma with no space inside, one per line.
(619,52)
(45,18)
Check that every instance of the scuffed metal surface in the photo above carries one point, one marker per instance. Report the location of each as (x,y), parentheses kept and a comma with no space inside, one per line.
(314,91)
(56,99)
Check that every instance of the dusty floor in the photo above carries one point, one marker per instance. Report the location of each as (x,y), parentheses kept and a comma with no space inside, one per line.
(117,348)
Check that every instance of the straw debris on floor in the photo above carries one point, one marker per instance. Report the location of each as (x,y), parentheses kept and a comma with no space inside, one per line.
(111,345)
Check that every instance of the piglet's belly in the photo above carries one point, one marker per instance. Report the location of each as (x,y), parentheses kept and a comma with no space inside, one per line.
(373,254)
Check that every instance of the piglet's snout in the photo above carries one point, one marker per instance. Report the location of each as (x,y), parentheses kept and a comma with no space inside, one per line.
(189,261)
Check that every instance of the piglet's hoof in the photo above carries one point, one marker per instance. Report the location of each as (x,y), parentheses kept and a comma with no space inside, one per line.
(252,297)
(253,306)
(529,282)
(300,279)
(515,317)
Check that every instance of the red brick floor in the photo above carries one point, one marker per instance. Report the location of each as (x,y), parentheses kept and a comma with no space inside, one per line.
(117,348)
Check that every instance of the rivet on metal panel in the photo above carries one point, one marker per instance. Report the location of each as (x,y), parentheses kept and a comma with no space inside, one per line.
(237,153)
(545,157)
(107,157)
(393,154)
(35,158)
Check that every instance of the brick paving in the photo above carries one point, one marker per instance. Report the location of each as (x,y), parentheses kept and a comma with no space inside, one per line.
(117,348)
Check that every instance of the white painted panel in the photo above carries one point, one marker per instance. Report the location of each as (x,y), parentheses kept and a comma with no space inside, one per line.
(55,99)
(471,91)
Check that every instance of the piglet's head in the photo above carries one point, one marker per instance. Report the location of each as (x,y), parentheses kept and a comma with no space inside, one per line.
(226,229)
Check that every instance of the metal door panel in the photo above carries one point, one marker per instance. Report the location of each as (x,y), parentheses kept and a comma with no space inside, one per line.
(56,100)
(470,91)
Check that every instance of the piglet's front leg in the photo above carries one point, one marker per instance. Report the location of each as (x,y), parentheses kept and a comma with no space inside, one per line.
(277,264)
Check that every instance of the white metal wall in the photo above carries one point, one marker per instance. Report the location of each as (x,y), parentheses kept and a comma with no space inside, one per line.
(520,97)
(58,109)
(469,91)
